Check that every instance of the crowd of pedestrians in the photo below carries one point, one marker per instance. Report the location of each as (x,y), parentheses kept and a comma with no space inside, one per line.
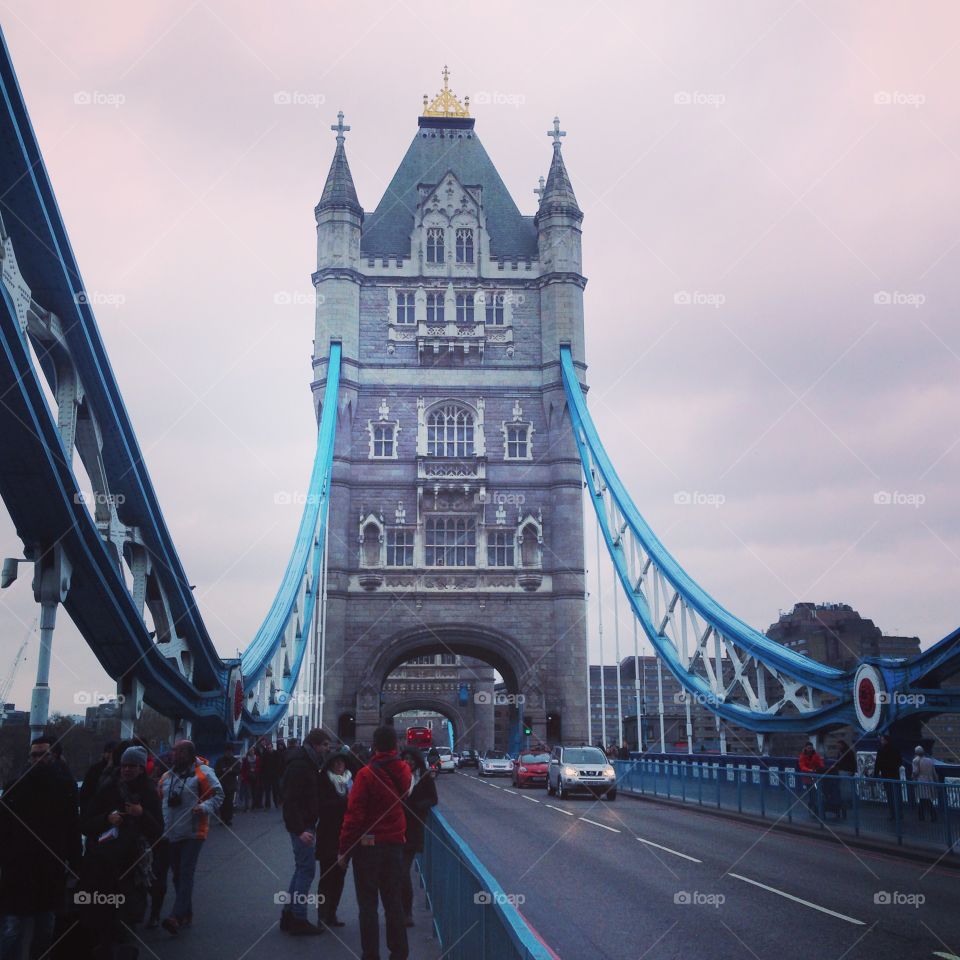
(81,868)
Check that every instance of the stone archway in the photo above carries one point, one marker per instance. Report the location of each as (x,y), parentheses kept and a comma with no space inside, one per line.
(445,709)
(493,647)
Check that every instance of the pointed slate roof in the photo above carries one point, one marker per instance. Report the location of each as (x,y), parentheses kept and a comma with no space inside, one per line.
(339,190)
(558,195)
(443,145)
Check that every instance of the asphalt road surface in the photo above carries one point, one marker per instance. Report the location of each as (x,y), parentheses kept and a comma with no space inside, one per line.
(632,879)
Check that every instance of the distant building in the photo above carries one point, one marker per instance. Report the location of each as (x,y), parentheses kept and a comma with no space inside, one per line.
(12,717)
(104,718)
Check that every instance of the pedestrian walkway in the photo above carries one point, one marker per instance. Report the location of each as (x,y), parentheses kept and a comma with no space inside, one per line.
(241,870)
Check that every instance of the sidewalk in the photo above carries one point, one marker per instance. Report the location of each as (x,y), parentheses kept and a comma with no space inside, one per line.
(241,869)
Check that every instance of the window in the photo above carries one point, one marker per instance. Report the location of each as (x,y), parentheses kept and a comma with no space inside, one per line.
(464,308)
(495,309)
(399,547)
(518,442)
(464,245)
(434,308)
(405,307)
(451,542)
(384,436)
(450,432)
(500,545)
(448,659)
(435,245)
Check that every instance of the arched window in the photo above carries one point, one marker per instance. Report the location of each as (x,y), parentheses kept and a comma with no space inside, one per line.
(450,431)
(464,245)
(435,302)
(435,245)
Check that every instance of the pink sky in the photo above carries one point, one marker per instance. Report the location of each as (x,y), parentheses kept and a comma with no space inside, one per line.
(785,166)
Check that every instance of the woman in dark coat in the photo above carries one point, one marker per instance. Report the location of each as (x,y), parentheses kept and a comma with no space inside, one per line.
(422,796)
(336,778)
(121,824)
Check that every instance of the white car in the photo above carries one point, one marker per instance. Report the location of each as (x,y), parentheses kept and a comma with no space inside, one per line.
(447,762)
(495,763)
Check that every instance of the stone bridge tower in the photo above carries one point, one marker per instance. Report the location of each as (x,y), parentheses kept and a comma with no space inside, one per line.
(456,512)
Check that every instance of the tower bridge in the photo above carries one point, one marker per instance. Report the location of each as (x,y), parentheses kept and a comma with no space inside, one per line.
(445,507)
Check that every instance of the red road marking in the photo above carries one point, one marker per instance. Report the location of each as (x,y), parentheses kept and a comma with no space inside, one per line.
(536,933)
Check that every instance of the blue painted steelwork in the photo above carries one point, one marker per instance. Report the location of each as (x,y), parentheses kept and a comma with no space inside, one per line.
(829,693)
(473,916)
(41,492)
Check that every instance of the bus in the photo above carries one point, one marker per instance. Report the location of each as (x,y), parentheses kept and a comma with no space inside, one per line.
(419,737)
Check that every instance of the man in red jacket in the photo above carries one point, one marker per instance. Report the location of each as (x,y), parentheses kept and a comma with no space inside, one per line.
(373,833)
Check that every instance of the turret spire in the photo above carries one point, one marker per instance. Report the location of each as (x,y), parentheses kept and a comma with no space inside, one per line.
(558,195)
(339,191)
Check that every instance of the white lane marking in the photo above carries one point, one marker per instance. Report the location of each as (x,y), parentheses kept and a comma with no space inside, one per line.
(676,853)
(790,896)
(603,825)
(559,810)
(507,790)
(495,787)
(532,799)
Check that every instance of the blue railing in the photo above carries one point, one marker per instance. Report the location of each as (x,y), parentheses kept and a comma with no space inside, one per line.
(897,811)
(473,916)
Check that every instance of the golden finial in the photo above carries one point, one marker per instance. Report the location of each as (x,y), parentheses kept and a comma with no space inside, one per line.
(445,103)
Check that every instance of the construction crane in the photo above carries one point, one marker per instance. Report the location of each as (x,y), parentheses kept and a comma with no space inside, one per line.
(7,684)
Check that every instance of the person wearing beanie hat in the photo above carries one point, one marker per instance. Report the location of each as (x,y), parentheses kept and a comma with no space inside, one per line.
(134,757)
(121,823)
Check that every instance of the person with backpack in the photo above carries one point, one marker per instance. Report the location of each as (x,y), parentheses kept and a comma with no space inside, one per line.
(373,836)
(191,794)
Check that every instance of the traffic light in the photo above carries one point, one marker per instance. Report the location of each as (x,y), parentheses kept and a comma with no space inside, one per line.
(527,728)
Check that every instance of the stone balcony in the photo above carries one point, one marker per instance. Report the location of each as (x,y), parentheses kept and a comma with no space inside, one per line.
(451,338)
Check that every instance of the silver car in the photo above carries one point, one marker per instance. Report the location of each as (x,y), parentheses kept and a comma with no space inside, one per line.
(495,763)
(580,770)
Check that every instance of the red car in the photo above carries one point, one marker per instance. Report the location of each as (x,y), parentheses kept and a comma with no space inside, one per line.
(531,770)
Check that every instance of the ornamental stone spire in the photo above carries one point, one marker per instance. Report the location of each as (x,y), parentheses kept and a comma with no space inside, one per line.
(339,191)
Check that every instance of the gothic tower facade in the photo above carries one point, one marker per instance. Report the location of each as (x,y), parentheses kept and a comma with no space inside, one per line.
(456,523)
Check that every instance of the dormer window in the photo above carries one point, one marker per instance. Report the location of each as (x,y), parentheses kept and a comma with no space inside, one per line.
(435,308)
(435,245)
(450,432)
(464,245)
(494,309)
(464,308)
(406,312)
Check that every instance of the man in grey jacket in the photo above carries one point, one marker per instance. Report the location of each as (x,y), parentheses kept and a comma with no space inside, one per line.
(191,795)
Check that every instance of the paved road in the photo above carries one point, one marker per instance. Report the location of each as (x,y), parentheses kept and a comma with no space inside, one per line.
(633,879)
